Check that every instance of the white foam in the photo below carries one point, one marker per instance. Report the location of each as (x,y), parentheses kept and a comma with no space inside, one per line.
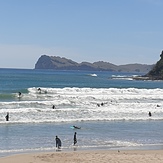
(84,104)
(93,75)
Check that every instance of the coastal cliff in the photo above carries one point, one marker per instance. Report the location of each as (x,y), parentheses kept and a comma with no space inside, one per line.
(58,63)
(157,72)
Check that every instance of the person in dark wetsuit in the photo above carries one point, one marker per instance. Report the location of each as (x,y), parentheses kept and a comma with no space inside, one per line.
(58,142)
(7,117)
(19,94)
(75,139)
(75,127)
(39,90)
(150,114)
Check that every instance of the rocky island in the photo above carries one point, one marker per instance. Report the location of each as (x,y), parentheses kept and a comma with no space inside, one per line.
(59,63)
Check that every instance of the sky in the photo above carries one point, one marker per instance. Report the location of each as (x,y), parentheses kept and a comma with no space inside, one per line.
(115,31)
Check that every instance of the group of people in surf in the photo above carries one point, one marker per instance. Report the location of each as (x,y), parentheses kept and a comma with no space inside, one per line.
(75,127)
(54,107)
(7,116)
(102,104)
(19,96)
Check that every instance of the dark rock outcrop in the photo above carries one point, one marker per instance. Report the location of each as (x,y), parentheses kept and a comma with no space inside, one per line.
(58,63)
(157,72)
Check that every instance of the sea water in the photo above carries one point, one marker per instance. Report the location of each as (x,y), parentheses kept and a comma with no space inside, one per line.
(111,108)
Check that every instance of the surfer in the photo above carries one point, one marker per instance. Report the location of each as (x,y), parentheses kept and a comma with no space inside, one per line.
(102,104)
(7,117)
(58,142)
(75,139)
(39,90)
(53,107)
(150,114)
(19,94)
(76,127)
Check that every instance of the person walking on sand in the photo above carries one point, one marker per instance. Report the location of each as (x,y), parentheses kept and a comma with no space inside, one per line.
(75,139)
(58,142)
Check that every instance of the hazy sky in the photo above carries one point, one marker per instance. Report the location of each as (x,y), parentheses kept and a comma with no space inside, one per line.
(116,31)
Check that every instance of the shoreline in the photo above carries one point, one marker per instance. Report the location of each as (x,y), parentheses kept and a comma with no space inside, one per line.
(152,147)
(86,156)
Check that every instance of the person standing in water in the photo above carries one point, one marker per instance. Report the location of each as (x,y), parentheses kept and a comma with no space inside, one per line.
(75,139)
(58,142)
(150,114)
(39,90)
(19,94)
(7,117)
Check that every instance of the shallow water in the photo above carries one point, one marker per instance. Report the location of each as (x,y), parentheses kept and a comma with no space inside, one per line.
(111,109)
(102,135)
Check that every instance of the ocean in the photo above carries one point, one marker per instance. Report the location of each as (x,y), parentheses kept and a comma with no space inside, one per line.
(111,109)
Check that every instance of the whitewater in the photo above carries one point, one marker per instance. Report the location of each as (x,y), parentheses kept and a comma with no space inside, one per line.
(111,109)
(83,104)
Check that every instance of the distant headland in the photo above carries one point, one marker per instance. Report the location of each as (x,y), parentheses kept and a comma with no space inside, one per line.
(61,63)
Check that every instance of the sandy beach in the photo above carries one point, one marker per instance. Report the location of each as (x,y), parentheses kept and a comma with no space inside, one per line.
(132,156)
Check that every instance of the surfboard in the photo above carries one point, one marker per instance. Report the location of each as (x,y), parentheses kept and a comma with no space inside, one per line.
(72,127)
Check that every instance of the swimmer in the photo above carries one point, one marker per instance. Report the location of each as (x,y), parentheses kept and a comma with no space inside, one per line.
(39,90)
(150,114)
(19,93)
(77,127)
(7,117)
